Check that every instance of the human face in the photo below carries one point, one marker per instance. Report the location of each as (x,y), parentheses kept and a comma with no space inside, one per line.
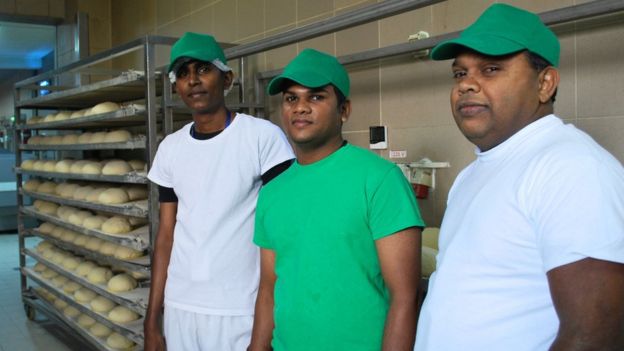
(312,117)
(494,97)
(200,85)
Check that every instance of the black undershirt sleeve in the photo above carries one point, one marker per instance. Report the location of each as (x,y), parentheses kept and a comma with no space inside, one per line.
(275,171)
(166,194)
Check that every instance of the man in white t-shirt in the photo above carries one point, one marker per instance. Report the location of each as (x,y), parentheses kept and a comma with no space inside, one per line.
(532,241)
(205,268)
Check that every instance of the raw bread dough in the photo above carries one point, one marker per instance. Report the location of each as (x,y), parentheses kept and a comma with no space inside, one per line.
(116,167)
(108,248)
(125,253)
(71,312)
(137,165)
(82,192)
(102,305)
(84,295)
(99,330)
(34,140)
(76,167)
(104,107)
(119,342)
(63,115)
(136,192)
(37,204)
(78,217)
(81,240)
(137,221)
(27,164)
(71,263)
(94,222)
(48,208)
(91,167)
(77,114)
(84,268)
(55,140)
(117,136)
(70,139)
(49,118)
(60,304)
(44,245)
(59,281)
(58,257)
(64,166)
(122,314)
(94,243)
(68,236)
(39,267)
(70,287)
(49,165)
(121,282)
(99,275)
(94,194)
(139,275)
(47,187)
(116,225)
(64,212)
(84,138)
(49,274)
(49,253)
(57,232)
(31,185)
(85,321)
(45,228)
(113,196)
(97,138)
(68,190)
(38,165)
(428,261)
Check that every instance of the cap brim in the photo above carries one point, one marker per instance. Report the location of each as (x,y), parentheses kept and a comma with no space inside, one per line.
(490,45)
(307,79)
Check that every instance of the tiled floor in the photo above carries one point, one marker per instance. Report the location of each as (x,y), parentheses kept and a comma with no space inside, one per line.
(18,333)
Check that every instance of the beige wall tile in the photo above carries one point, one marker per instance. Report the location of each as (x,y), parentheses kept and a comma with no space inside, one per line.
(357,39)
(56,8)
(340,5)
(454,15)
(250,17)
(279,13)
(278,58)
(95,8)
(566,99)
(600,71)
(181,8)
(99,33)
(310,9)
(607,132)
(325,43)
(396,29)
(164,12)
(365,108)
(7,6)
(538,6)
(32,7)
(201,21)
(175,28)
(224,18)
(357,138)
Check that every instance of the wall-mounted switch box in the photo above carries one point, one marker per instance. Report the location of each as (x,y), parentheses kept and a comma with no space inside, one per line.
(378,137)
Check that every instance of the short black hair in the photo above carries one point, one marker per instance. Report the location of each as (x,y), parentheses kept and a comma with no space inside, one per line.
(539,64)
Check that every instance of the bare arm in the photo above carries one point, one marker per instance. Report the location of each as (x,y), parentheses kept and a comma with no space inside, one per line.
(160,261)
(263,318)
(399,257)
(589,299)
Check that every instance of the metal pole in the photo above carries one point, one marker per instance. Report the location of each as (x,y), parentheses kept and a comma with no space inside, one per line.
(152,138)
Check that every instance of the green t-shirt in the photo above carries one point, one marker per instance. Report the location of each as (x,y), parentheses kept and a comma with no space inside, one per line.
(322,220)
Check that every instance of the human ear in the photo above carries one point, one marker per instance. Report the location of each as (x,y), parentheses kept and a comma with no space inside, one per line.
(548,83)
(345,110)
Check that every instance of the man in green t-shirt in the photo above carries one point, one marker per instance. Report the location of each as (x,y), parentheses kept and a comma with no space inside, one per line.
(339,231)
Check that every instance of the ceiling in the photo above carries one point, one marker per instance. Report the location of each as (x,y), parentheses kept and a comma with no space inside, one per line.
(22,46)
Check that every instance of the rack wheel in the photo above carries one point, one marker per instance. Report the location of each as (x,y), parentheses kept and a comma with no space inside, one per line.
(30,312)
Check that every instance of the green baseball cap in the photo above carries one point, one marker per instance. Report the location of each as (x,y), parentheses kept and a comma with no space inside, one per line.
(503,29)
(312,69)
(196,46)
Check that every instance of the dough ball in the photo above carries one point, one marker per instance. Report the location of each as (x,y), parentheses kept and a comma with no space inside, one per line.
(77,114)
(49,253)
(84,295)
(48,208)
(69,236)
(116,225)
(112,196)
(49,166)
(60,304)
(70,139)
(37,204)
(117,136)
(45,228)
(70,287)
(27,164)
(99,330)
(94,195)
(71,263)
(116,167)
(65,211)
(49,118)
(58,257)
(38,165)
(97,138)
(94,222)
(76,167)
(139,275)
(84,268)
(105,107)
(59,281)
(82,192)
(55,140)
(428,260)
(68,190)
(430,237)
(39,267)
(108,248)
(126,253)
(91,167)
(57,232)
(119,342)
(78,217)
(45,245)
(121,314)
(81,240)
(48,274)
(84,138)
(71,312)
(137,165)
(47,187)
(63,115)
(137,192)
(85,321)
(137,221)
(121,282)
(99,275)
(64,166)
(102,305)
(31,185)
(34,140)
(94,243)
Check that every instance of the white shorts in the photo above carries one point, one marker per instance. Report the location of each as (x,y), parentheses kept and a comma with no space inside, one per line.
(189,331)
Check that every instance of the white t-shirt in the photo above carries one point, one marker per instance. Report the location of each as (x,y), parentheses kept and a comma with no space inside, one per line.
(214,266)
(546,197)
